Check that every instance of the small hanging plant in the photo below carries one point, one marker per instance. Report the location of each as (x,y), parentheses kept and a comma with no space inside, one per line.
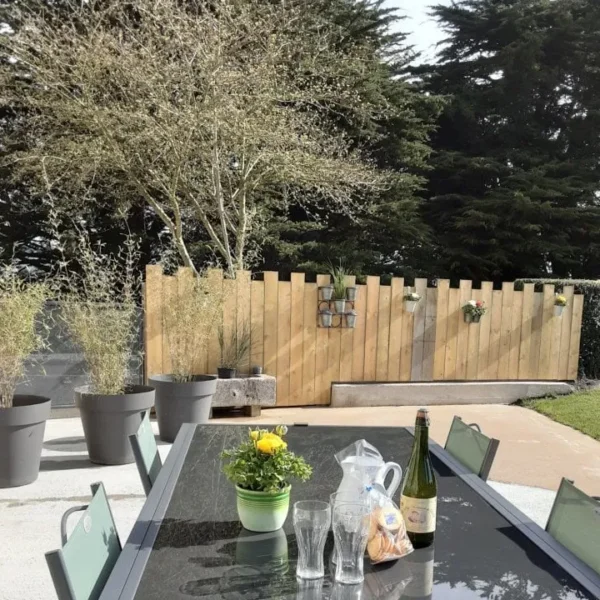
(411,300)
(473,310)
(560,302)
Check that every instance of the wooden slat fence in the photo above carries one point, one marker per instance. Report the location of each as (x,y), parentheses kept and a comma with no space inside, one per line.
(518,338)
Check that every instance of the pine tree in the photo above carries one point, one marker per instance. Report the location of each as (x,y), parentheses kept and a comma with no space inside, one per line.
(514,189)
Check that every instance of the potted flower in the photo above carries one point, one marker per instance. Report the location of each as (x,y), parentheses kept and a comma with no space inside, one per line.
(473,310)
(22,417)
(262,468)
(235,351)
(101,312)
(410,301)
(560,302)
(190,314)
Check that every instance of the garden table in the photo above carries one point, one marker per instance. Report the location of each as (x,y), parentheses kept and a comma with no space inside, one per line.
(188,543)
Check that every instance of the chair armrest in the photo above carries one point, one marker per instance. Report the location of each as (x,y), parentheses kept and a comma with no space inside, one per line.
(63,522)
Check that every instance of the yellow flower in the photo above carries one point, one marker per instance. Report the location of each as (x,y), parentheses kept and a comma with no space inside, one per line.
(270,443)
(254,435)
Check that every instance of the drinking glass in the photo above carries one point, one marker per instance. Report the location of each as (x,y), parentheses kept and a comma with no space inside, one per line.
(312,520)
(351,523)
(333,500)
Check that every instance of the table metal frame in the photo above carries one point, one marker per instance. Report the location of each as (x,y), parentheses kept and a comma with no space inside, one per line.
(129,569)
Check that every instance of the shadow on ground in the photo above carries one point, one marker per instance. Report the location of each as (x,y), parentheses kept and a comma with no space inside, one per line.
(64,463)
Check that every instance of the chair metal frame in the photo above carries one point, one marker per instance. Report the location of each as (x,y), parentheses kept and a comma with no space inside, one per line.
(147,482)
(490,455)
(55,559)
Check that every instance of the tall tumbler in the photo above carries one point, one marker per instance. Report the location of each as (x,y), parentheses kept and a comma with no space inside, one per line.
(312,520)
(351,522)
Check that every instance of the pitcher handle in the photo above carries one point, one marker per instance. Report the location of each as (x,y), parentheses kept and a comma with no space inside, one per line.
(397,478)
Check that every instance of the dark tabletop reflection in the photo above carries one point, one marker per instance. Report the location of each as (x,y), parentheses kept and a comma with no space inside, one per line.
(203,552)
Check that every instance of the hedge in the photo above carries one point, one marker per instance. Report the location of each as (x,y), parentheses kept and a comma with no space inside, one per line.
(589,362)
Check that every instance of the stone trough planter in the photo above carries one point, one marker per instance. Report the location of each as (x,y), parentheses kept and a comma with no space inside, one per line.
(251,393)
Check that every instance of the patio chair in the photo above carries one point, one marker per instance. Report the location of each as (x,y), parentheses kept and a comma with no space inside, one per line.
(146,453)
(574,521)
(471,448)
(82,566)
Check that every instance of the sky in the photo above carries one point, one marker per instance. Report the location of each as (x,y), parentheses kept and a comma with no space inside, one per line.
(424,32)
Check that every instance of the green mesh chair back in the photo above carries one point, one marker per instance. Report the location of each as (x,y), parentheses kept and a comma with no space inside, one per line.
(146,453)
(575,522)
(82,566)
(471,448)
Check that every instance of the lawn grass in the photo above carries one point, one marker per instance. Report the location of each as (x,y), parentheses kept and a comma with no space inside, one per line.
(580,410)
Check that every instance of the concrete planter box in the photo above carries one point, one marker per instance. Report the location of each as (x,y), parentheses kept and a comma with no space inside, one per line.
(442,392)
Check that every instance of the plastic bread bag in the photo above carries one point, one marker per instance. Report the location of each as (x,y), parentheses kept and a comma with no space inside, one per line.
(388,539)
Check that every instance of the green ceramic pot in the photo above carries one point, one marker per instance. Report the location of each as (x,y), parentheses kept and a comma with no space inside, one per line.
(263,511)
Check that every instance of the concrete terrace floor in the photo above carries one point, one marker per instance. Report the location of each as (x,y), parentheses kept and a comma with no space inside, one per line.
(534,454)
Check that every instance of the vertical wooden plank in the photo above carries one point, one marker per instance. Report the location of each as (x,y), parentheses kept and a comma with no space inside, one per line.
(474,333)
(296,338)
(536,334)
(515,335)
(185,287)
(169,290)
(229,309)
(153,320)
(575,336)
(371,327)
(547,333)
(396,316)
(347,343)
(429,335)
(271,280)
(284,327)
(408,328)
(439,361)
(454,315)
(526,326)
(565,335)
(358,342)
(309,348)
(462,346)
(505,329)
(257,320)
(416,373)
(485,326)
(215,277)
(495,327)
(242,280)
(556,326)
(383,333)
(321,391)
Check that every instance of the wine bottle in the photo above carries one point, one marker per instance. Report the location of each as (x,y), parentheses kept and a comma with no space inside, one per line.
(418,502)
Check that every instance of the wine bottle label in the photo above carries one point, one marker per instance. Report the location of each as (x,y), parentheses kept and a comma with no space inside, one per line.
(419,513)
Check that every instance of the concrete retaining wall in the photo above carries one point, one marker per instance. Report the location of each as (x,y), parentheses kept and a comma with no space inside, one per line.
(442,392)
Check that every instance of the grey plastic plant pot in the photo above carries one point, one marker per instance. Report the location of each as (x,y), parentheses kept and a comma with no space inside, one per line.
(108,421)
(21,437)
(182,402)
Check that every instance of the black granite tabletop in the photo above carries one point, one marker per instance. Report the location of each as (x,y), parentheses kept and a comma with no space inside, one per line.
(201,550)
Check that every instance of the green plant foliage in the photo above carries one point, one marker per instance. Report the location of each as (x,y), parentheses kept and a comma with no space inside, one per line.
(263,462)
(20,307)
(338,275)
(235,348)
(589,354)
(476,308)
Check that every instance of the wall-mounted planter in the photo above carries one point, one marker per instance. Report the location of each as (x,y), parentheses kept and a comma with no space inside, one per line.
(351,319)
(558,310)
(351,293)
(257,371)
(326,317)
(326,292)
(410,305)
(340,306)
(469,318)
